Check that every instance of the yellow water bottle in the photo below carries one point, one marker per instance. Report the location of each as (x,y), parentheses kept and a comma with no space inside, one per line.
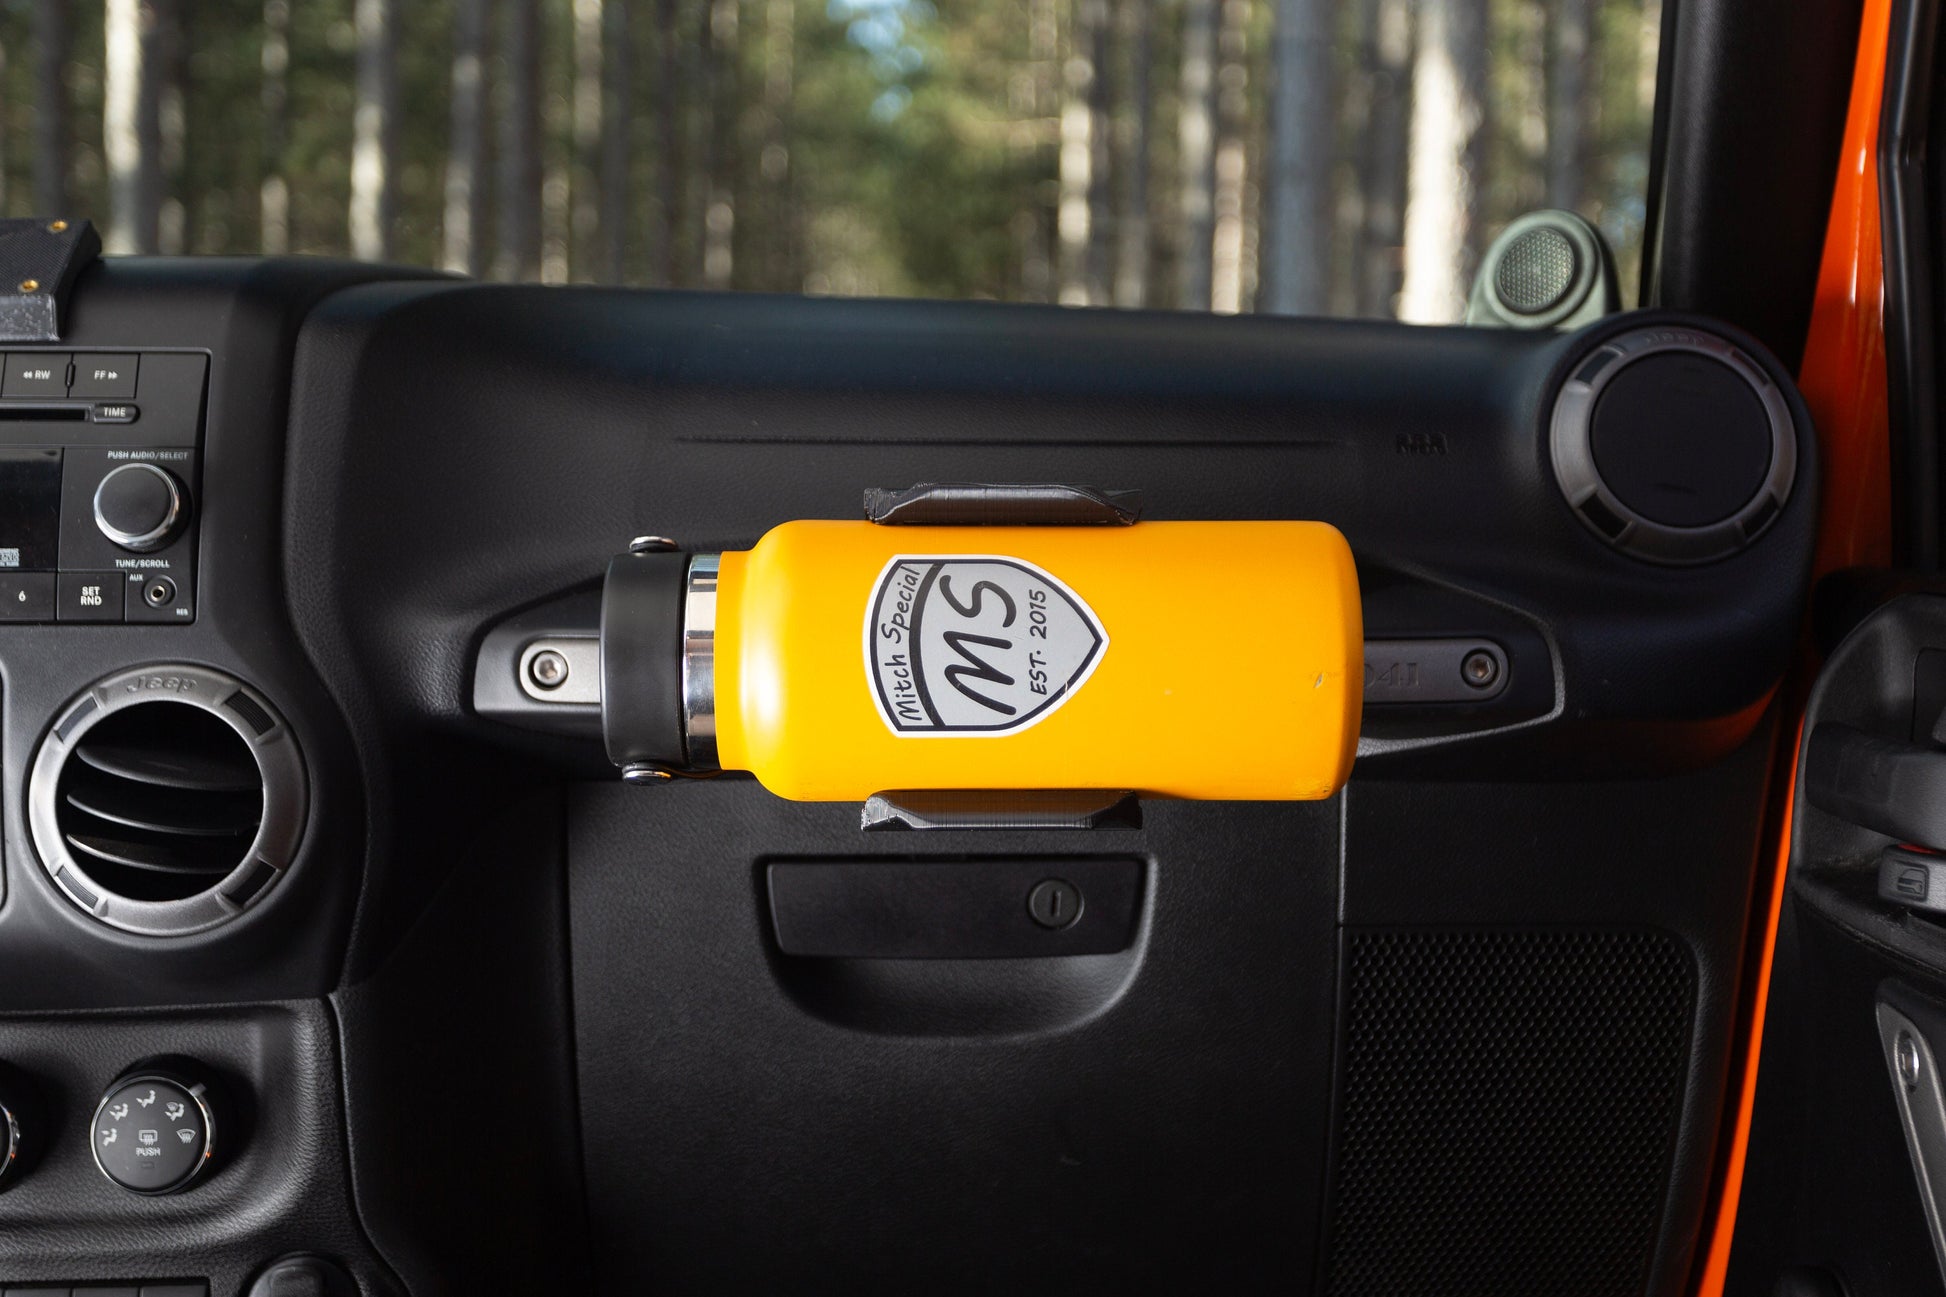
(835,660)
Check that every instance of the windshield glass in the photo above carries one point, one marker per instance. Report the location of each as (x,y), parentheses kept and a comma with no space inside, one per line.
(1341,157)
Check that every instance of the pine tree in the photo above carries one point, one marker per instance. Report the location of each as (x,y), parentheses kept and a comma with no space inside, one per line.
(671,157)
(618,112)
(374,132)
(464,226)
(1232,157)
(1569,58)
(1132,218)
(1075,220)
(589,113)
(1196,130)
(716,176)
(131,135)
(1381,165)
(1035,237)
(778,259)
(273,190)
(1444,176)
(517,252)
(1303,138)
(53,147)
(1100,99)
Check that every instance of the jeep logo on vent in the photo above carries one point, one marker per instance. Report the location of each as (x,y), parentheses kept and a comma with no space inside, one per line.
(974,644)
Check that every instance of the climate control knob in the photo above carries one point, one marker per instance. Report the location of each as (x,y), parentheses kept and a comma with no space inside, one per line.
(140,507)
(154,1132)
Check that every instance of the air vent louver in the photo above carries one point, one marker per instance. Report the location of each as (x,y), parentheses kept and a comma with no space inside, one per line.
(167,800)
(160,802)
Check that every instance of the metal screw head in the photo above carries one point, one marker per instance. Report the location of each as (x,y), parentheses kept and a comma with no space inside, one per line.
(547,669)
(1054,903)
(29,285)
(1905,1053)
(1480,669)
(651,545)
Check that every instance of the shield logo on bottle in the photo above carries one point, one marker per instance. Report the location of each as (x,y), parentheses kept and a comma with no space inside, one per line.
(974,644)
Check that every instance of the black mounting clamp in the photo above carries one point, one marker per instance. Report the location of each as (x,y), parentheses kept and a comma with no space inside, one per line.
(40,258)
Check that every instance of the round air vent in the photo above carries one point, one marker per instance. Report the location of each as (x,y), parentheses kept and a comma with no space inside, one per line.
(1673,445)
(167,800)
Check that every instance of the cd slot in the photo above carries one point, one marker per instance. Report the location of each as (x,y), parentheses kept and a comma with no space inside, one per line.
(43,414)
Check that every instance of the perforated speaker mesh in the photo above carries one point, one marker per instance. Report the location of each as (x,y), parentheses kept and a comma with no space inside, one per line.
(1535,271)
(1508,1108)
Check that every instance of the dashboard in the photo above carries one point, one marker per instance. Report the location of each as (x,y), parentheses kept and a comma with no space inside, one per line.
(431,1001)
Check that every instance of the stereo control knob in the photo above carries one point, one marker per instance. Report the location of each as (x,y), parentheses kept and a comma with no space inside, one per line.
(140,507)
(154,1132)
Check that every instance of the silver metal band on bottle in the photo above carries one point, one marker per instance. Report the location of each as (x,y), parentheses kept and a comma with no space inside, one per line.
(699,661)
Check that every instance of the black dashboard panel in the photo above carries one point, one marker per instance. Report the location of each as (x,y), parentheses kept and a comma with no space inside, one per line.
(774,1114)
(478,918)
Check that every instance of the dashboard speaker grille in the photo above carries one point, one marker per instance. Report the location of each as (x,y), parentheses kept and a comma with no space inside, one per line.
(1509,1101)
(160,801)
(1536,270)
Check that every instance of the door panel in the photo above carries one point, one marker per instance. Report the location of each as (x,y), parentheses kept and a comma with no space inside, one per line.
(1829,1188)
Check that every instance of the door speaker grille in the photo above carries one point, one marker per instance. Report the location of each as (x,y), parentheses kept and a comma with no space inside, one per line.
(1509,1101)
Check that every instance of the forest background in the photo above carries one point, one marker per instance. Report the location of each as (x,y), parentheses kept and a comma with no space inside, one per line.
(1342,157)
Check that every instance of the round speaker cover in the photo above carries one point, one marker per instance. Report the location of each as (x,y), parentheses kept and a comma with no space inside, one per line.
(1681,439)
(1673,445)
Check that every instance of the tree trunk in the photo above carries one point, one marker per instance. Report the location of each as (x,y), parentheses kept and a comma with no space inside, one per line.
(374,191)
(53,147)
(1444,174)
(1303,138)
(1196,148)
(1101,197)
(172,73)
(1569,48)
(699,90)
(774,163)
(618,110)
(1079,130)
(1382,159)
(463,226)
(5,140)
(667,224)
(517,252)
(1132,222)
(1232,158)
(273,191)
(717,188)
(557,166)
(590,112)
(130,127)
(1033,234)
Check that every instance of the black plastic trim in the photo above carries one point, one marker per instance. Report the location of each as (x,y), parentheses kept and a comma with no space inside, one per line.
(1907,217)
(1750,113)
